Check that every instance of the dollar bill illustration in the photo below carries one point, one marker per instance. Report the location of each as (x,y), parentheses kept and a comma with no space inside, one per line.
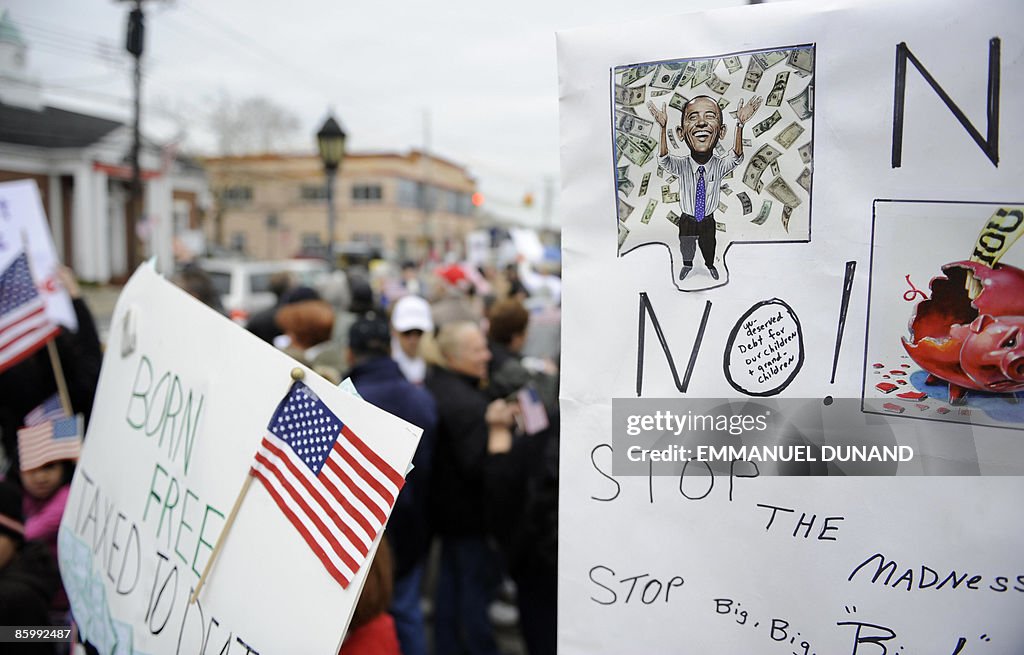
(643,184)
(622,171)
(660,92)
(726,190)
(672,140)
(803,104)
(678,102)
(717,84)
(639,149)
(787,213)
(722,207)
(623,233)
(745,201)
(667,78)
(782,192)
(767,124)
(789,134)
(646,218)
(702,73)
(720,226)
(671,178)
(768,59)
(723,103)
(778,90)
(775,168)
(635,73)
(720,150)
(673,218)
(761,160)
(805,152)
(762,216)
(753,75)
(661,171)
(748,143)
(625,186)
(733,64)
(805,179)
(727,176)
(802,60)
(625,209)
(669,196)
(630,123)
(630,96)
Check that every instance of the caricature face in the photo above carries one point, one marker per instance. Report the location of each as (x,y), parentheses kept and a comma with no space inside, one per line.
(701,126)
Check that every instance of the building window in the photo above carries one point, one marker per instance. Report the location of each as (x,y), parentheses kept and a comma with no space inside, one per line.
(366,193)
(238,242)
(313,192)
(311,241)
(408,193)
(236,195)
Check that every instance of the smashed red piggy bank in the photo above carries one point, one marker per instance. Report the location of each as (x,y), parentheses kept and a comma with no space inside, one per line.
(971,344)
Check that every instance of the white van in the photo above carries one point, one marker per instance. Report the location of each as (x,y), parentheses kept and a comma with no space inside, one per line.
(244,286)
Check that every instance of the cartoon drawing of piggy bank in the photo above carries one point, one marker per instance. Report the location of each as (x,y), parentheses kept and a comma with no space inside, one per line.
(971,344)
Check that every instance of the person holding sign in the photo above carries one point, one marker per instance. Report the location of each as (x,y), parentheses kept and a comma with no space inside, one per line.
(700,173)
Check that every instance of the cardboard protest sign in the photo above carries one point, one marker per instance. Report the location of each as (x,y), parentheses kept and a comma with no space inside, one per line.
(764,446)
(185,400)
(23,227)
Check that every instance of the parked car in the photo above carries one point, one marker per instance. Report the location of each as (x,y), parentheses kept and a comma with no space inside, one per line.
(244,286)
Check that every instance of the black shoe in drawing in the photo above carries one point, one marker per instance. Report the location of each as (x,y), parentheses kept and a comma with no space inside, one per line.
(684,272)
(713,271)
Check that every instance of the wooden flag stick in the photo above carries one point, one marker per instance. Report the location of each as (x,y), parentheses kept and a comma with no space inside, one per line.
(58,374)
(220,539)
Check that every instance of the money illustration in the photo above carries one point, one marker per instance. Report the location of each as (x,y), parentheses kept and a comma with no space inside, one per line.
(787,212)
(745,200)
(803,104)
(720,226)
(625,186)
(630,123)
(630,96)
(673,218)
(671,178)
(660,92)
(720,150)
(621,172)
(727,176)
(763,158)
(718,85)
(733,64)
(805,152)
(643,184)
(778,90)
(726,190)
(723,103)
(789,134)
(666,78)
(752,76)
(625,209)
(802,60)
(672,139)
(702,73)
(768,59)
(678,102)
(646,218)
(762,216)
(661,172)
(623,233)
(639,149)
(631,75)
(775,168)
(783,192)
(667,196)
(767,124)
(722,207)
(748,143)
(805,179)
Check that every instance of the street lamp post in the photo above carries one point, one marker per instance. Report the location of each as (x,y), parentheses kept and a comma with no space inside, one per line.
(330,141)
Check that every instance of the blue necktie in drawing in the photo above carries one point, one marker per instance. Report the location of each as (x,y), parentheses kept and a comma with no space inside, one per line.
(701,200)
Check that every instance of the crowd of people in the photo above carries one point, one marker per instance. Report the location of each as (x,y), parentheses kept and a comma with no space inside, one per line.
(446,351)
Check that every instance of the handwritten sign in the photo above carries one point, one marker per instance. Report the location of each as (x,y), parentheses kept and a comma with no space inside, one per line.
(177,421)
(915,184)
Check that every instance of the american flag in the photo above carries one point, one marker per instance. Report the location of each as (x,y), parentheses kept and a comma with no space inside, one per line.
(50,409)
(535,417)
(333,488)
(24,326)
(49,441)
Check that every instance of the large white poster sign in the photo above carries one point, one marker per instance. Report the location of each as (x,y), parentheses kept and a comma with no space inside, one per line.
(800,219)
(23,227)
(184,400)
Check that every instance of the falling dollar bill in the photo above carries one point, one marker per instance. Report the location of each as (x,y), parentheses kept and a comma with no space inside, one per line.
(720,150)
(661,172)
(778,90)
(723,103)
(666,78)
(805,152)
(767,124)
(753,75)
(638,148)
(625,186)
(763,158)
(803,104)
(805,179)
(748,143)
(660,92)
(702,73)
(623,233)
(625,209)
(646,218)
(672,139)
(622,171)
(722,207)
(726,190)
(630,96)
(668,196)
(678,102)
(745,200)
(789,134)
(643,184)
(775,168)
(630,123)
(727,176)
(787,212)
(671,178)
(768,59)
(720,226)
(733,64)
(673,218)
(762,216)
(802,59)
(783,192)
(717,85)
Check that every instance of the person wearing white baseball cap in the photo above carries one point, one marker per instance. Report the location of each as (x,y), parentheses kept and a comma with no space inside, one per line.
(410,320)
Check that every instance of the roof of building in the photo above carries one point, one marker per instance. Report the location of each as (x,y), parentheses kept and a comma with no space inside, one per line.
(411,155)
(52,127)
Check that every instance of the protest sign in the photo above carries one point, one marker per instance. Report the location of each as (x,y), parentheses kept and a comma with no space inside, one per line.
(183,404)
(835,258)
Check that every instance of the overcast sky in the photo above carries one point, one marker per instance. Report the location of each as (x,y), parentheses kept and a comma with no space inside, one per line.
(483,75)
